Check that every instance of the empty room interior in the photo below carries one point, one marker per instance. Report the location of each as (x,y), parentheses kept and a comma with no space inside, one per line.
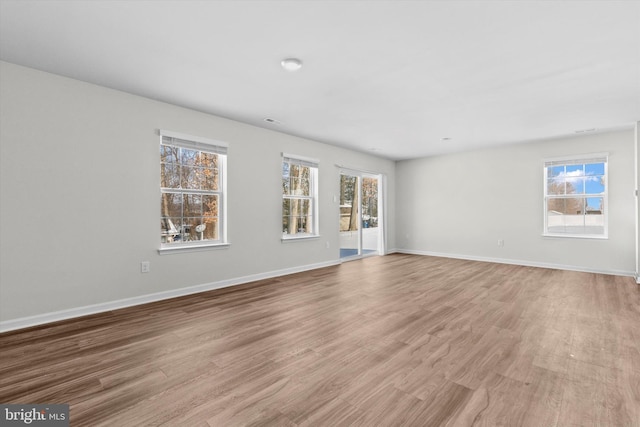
(296,213)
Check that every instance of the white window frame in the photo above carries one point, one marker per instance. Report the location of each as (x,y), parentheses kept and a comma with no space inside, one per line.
(210,146)
(314,166)
(577,160)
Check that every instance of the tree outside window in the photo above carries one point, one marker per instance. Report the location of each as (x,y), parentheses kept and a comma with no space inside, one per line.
(191,192)
(299,197)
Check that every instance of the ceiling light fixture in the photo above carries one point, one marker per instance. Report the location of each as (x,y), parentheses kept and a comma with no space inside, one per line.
(291,64)
(445,138)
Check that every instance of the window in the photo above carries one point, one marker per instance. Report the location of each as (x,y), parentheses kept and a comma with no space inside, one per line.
(192,187)
(575,197)
(299,197)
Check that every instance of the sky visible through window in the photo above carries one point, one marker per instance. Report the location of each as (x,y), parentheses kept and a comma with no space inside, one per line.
(579,179)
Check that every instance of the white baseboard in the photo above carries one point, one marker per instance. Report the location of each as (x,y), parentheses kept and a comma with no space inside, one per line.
(25,322)
(518,262)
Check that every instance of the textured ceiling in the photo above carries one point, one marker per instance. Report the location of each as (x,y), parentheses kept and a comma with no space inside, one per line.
(392,78)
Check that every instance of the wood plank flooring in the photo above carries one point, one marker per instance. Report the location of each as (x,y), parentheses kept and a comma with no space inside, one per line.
(395,340)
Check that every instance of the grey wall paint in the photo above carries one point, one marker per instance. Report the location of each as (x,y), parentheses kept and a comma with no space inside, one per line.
(79,204)
(79,189)
(462,204)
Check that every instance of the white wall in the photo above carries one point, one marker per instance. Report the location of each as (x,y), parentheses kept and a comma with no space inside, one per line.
(461,204)
(79,203)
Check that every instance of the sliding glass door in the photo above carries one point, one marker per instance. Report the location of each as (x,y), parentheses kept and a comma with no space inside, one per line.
(370,232)
(349,216)
(360,219)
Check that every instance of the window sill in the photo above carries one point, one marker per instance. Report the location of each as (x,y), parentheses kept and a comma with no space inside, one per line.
(192,248)
(577,236)
(299,238)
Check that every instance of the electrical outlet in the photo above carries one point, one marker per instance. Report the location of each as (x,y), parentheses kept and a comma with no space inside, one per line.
(500,242)
(328,245)
(145,267)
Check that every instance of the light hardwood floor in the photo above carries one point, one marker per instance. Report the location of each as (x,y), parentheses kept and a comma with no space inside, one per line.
(394,340)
